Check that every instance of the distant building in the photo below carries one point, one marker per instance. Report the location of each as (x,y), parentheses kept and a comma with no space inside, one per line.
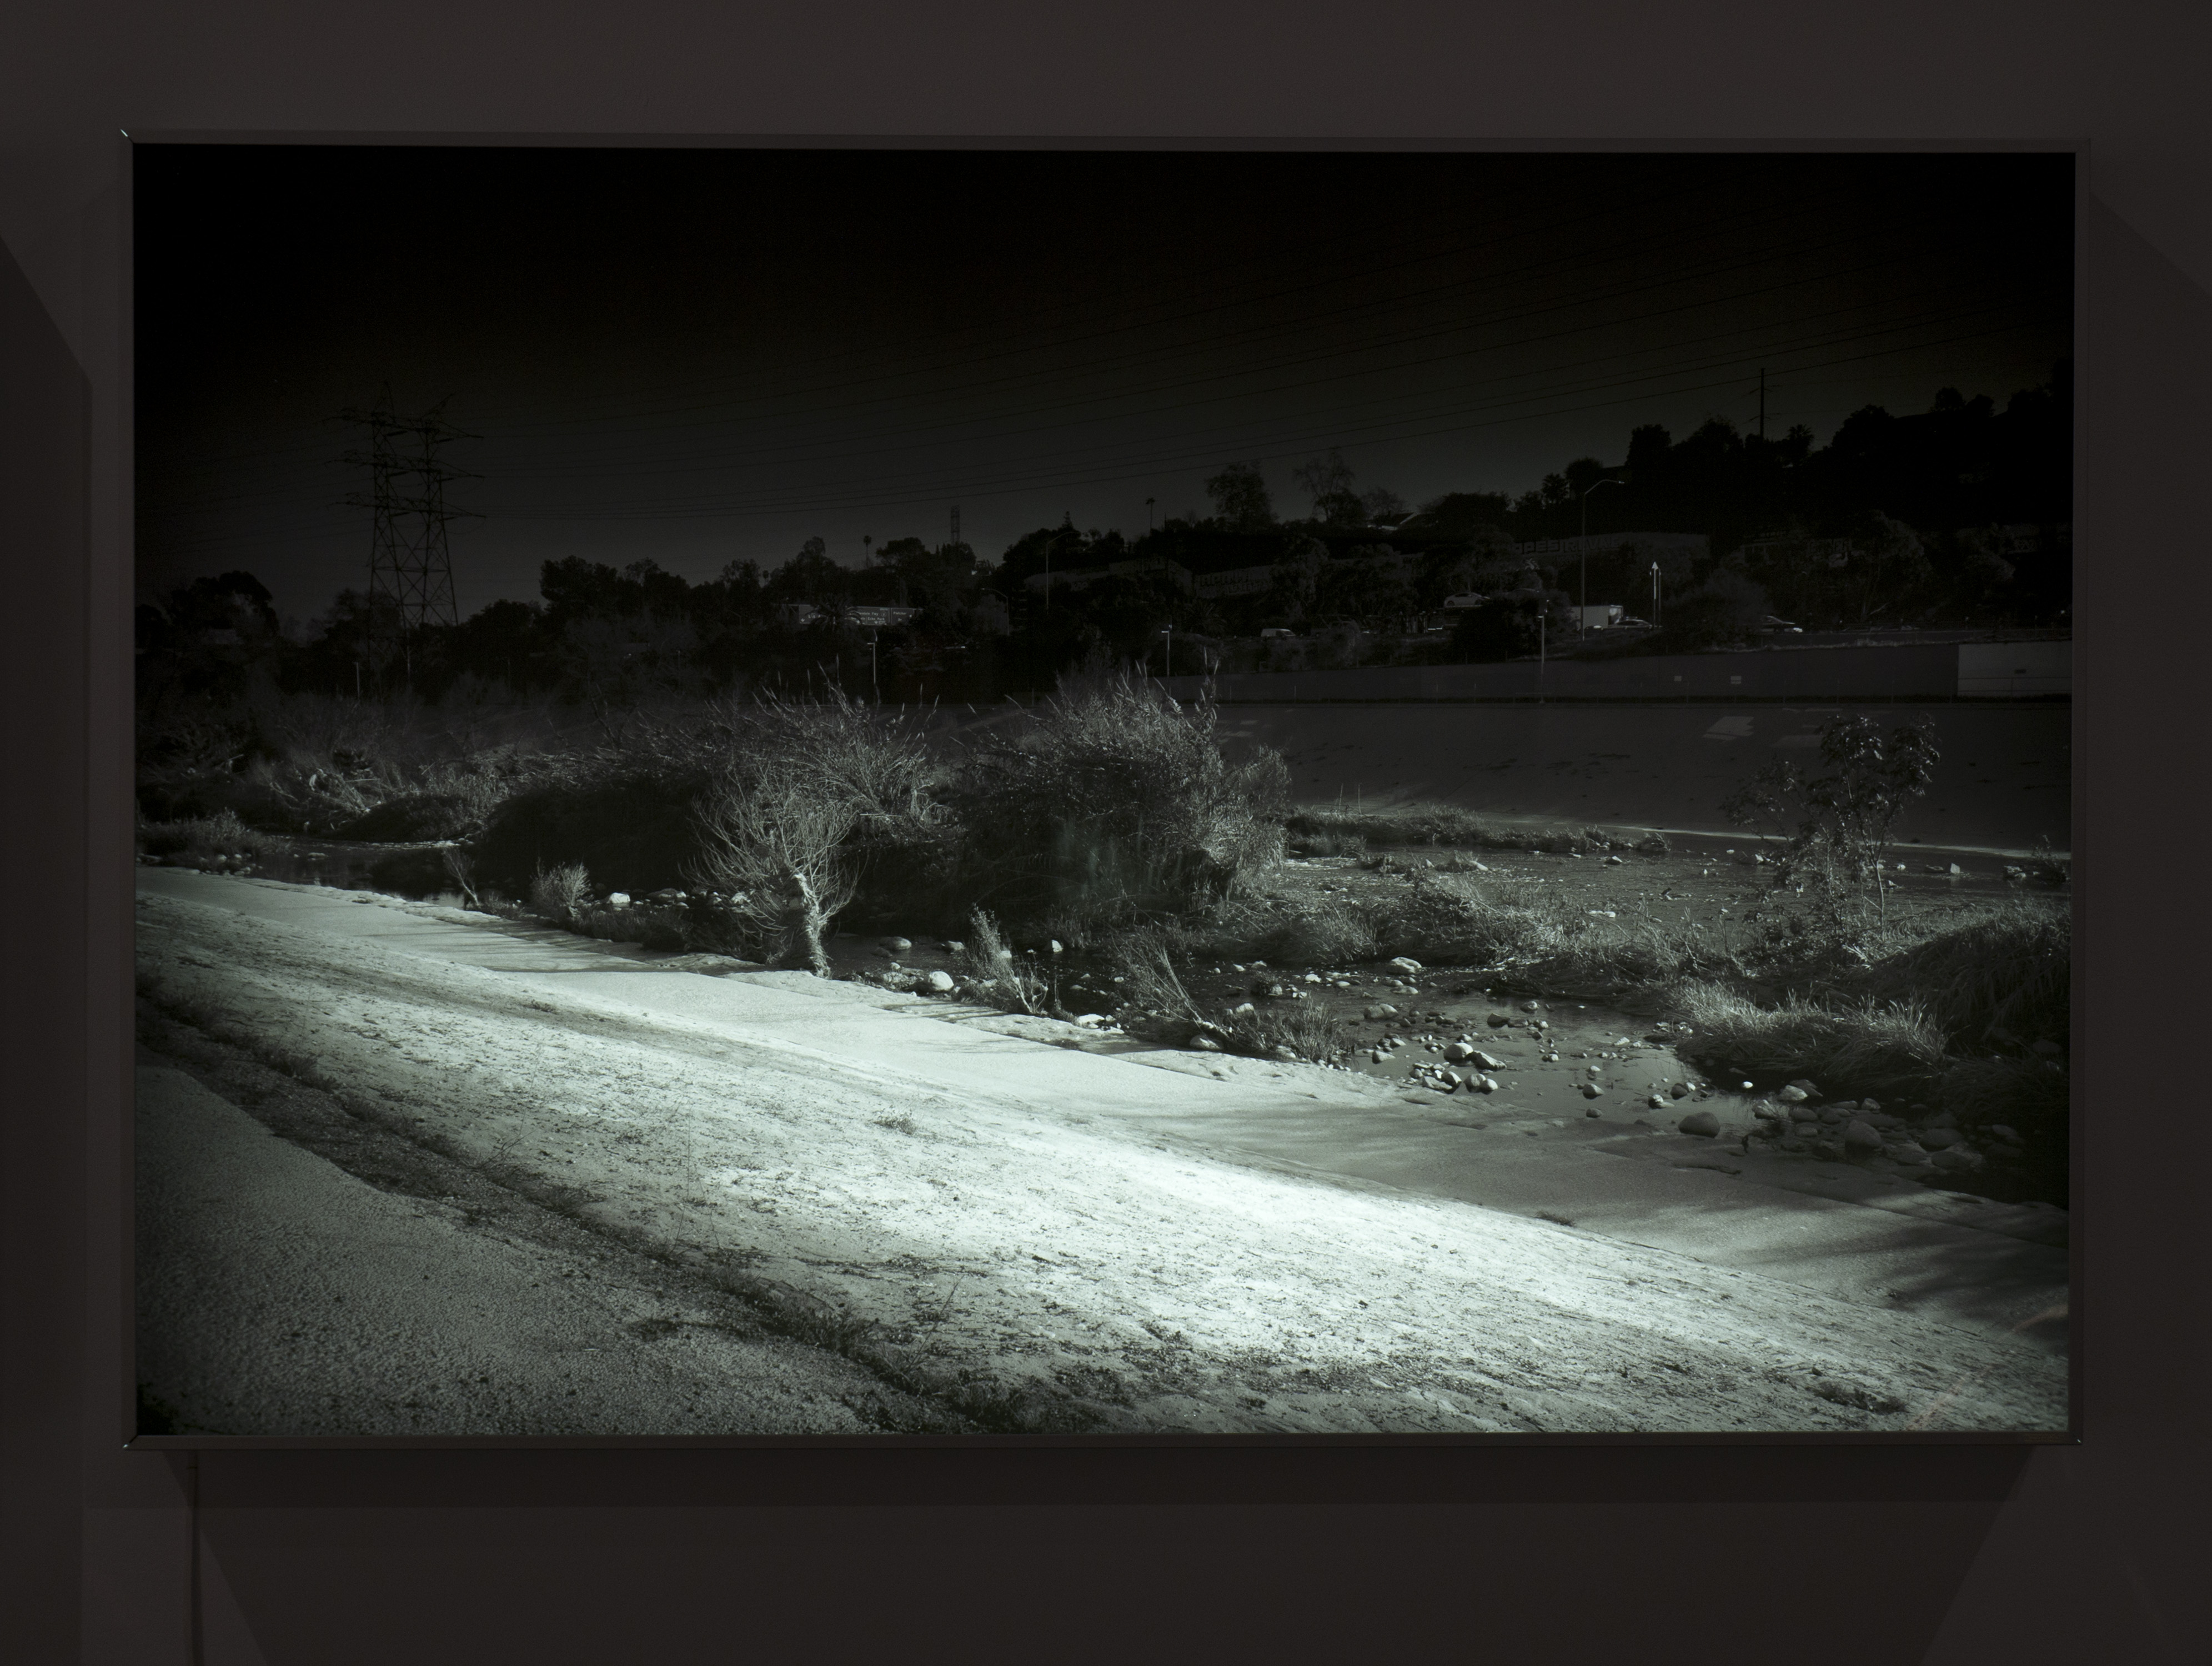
(1176,572)
(1825,551)
(881,618)
(1651,543)
(1073,578)
(1234,581)
(1601,615)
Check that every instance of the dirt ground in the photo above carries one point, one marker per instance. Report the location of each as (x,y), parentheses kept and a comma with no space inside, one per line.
(1005,1233)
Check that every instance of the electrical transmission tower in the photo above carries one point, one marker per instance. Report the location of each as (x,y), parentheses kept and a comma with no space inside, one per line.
(410,571)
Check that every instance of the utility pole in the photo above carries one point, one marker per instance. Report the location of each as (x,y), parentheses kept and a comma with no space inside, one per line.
(1762,403)
(955,523)
(1148,512)
(411,569)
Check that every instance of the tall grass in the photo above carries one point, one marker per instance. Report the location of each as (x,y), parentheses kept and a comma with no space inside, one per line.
(1861,1047)
(2007,976)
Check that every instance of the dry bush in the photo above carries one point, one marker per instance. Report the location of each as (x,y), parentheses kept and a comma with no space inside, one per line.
(777,847)
(985,957)
(1308,1030)
(808,802)
(1113,802)
(1309,932)
(207,838)
(559,893)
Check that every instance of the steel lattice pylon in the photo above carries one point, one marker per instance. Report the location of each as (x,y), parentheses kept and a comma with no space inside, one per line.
(410,570)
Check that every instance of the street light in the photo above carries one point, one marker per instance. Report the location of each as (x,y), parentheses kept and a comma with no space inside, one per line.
(1581,612)
(1654,595)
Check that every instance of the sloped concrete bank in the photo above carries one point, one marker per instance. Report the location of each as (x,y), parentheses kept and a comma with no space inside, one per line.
(1108,1245)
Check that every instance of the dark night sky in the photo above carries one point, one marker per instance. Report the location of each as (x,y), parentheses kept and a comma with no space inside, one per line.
(699,355)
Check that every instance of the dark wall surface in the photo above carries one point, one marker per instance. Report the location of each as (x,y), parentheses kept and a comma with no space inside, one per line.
(2059,1555)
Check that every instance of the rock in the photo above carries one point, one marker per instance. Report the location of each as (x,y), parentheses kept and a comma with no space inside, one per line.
(1489,1084)
(1957,872)
(1831,1149)
(1088,1020)
(895,945)
(1588,1091)
(1286,1055)
(1858,1137)
(1793,1095)
(941,983)
(1595,1070)
(2010,1136)
(1404,963)
(1939,1139)
(1909,1155)
(1532,1005)
(1498,1020)
(617,899)
(1593,1111)
(1870,1104)
(1953,1160)
(1380,1010)
(1483,1061)
(1701,1123)
(1612,861)
(1657,1102)
(1811,1091)
(1248,1010)
(1458,1051)
(1834,1118)
(1680,1091)
(1206,1043)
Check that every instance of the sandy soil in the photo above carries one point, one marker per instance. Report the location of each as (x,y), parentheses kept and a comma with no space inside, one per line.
(996,1245)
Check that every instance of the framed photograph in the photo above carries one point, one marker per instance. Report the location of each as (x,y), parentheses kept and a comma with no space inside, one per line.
(828,794)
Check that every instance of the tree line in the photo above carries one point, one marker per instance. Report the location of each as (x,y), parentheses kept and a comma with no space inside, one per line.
(1960,514)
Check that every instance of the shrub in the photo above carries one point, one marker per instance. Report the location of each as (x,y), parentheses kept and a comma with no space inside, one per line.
(1308,1030)
(207,838)
(803,795)
(1839,824)
(558,893)
(1727,611)
(633,828)
(985,958)
(1509,627)
(1113,803)
(1314,932)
